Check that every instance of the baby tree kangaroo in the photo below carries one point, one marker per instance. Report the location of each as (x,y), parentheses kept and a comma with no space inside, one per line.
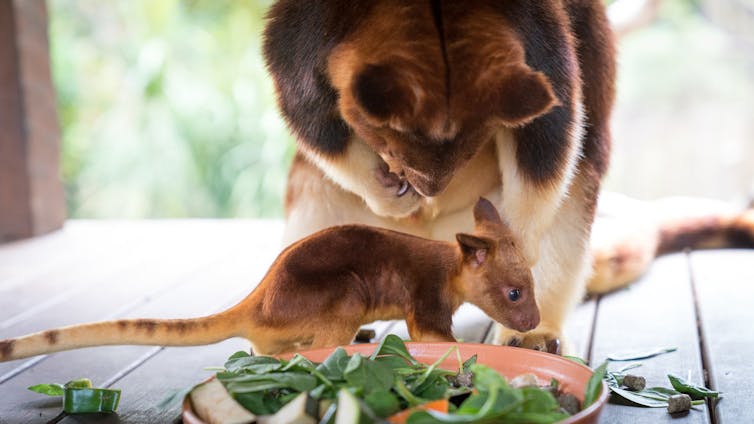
(322,288)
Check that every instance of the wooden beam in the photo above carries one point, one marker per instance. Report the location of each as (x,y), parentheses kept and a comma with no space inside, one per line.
(31,191)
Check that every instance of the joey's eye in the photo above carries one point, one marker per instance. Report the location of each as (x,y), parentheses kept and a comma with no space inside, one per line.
(514,294)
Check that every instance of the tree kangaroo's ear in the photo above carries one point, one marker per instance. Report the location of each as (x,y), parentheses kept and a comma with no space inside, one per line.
(474,248)
(382,93)
(523,95)
(485,212)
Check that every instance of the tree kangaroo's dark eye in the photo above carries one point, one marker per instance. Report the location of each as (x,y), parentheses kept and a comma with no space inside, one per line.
(514,294)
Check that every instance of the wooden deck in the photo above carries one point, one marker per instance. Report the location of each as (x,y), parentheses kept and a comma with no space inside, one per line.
(700,303)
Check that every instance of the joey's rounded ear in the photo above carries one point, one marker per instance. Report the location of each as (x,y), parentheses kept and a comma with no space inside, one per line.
(524,95)
(485,211)
(381,93)
(474,248)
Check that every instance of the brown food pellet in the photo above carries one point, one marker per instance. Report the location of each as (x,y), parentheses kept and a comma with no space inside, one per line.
(634,382)
(679,403)
(569,403)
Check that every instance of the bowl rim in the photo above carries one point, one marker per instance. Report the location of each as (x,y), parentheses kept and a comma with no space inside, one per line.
(190,417)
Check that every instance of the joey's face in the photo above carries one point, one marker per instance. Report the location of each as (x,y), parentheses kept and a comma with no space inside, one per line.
(505,291)
(427,97)
(497,277)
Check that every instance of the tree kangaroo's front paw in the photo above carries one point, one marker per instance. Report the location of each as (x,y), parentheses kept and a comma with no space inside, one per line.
(544,341)
(391,195)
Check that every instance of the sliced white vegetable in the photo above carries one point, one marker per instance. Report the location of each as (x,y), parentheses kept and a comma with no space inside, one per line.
(214,405)
(301,410)
(349,409)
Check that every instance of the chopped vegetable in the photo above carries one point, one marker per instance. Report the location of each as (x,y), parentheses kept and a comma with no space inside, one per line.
(215,406)
(440,405)
(83,401)
(79,397)
(303,409)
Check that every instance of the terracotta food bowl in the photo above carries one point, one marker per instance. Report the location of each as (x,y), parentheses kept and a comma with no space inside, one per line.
(508,361)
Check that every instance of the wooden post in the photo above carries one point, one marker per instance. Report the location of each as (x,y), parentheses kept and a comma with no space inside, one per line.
(31,192)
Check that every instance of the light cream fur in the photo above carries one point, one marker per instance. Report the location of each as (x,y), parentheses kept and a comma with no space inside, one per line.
(531,209)
(355,171)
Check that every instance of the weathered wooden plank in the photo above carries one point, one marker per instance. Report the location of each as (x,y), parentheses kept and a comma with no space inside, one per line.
(204,290)
(724,282)
(22,261)
(578,329)
(31,192)
(171,369)
(656,311)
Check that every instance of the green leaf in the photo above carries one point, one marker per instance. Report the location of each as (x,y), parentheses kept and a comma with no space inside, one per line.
(634,355)
(333,366)
(397,364)
(432,368)
(53,389)
(260,403)
(486,379)
(299,363)
(433,388)
(594,385)
(368,375)
(383,402)
(646,398)
(696,392)
(245,383)
(468,363)
(253,364)
(393,345)
(538,400)
(575,359)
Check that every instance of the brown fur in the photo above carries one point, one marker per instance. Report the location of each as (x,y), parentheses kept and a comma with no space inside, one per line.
(321,289)
(427,88)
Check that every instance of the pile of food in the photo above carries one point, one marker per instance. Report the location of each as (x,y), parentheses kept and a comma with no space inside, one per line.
(388,386)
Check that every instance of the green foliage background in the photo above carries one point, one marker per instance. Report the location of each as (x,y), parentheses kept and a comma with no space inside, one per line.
(166,109)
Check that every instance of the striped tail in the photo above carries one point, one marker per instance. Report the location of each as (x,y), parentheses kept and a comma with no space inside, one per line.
(624,244)
(157,332)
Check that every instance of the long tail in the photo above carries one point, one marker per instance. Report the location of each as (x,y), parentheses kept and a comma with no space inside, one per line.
(625,243)
(158,332)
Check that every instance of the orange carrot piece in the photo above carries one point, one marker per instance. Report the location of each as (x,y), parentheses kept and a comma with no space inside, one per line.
(440,405)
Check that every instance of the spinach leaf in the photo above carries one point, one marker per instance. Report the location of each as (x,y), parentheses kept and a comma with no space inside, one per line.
(368,375)
(696,392)
(333,366)
(393,345)
(246,383)
(486,379)
(382,402)
(594,385)
(253,364)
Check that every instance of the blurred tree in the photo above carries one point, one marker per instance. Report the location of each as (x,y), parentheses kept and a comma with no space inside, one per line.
(167,109)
